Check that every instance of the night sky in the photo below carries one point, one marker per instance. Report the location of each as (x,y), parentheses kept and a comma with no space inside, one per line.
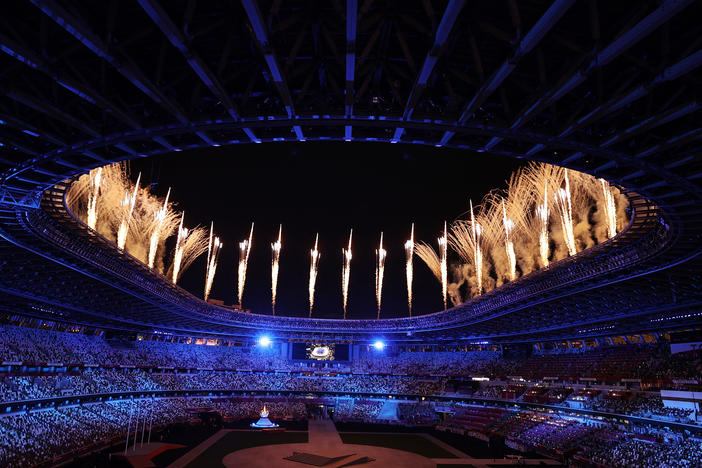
(327,188)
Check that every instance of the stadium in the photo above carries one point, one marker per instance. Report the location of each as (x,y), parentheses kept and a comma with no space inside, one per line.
(514,187)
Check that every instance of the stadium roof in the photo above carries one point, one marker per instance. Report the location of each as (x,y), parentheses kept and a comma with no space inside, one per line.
(607,88)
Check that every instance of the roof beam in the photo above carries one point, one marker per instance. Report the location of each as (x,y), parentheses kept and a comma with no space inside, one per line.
(261,34)
(177,38)
(57,114)
(643,125)
(23,126)
(673,72)
(9,142)
(684,66)
(448,20)
(672,142)
(33,60)
(78,29)
(547,21)
(642,29)
(351,28)
(652,122)
(51,111)
(445,27)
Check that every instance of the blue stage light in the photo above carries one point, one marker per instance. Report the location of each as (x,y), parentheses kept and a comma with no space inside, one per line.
(379,345)
(264,341)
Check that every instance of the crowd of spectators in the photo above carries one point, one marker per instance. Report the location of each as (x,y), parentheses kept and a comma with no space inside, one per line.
(544,432)
(582,440)
(363,410)
(625,451)
(417,414)
(635,403)
(608,363)
(98,380)
(31,345)
(642,404)
(27,438)
(434,363)
(76,364)
(30,438)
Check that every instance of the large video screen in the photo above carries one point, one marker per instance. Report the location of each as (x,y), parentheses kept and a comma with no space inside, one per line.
(320,351)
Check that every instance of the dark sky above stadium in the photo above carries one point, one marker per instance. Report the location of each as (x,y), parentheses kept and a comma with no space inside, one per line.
(327,188)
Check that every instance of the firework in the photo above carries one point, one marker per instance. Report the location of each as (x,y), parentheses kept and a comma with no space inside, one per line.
(409,271)
(565,214)
(159,218)
(314,265)
(509,232)
(128,208)
(509,245)
(346,272)
(476,233)
(542,214)
(213,250)
(610,209)
(124,213)
(180,241)
(430,258)
(275,260)
(380,255)
(465,240)
(443,246)
(190,244)
(244,251)
(93,194)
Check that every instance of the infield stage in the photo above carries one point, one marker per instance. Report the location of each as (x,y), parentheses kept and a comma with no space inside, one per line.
(252,449)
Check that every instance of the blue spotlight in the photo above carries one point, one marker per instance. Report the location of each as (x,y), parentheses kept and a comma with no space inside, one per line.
(379,345)
(264,341)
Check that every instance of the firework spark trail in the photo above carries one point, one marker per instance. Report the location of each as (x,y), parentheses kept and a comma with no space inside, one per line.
(159,218)
(509,245)
(543,213)
(128,208)
(181,237)
(346,272)
(380,255)
(244,251)
(430,258)
(477,232)
(209,254)
(443,251)
(565,214)
(275,261)
(610,209)
(93,195)
(409,270)
(466,239)
(215,246)
(190,244)
(314,265)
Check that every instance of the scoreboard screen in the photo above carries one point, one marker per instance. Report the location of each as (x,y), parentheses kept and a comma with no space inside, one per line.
(314,351)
